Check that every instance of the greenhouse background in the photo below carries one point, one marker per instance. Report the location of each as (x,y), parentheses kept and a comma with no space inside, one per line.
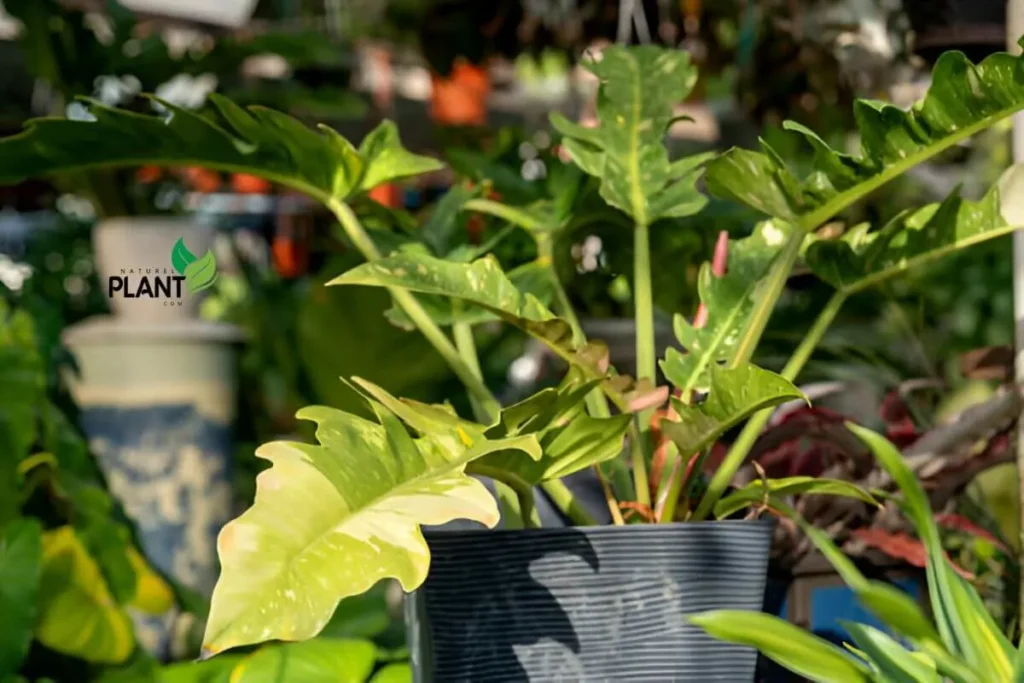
(567,340)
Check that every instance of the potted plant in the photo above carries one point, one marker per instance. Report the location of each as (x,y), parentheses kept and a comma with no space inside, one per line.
(333,519)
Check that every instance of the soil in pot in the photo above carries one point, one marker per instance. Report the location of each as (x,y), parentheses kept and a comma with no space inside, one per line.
(586,604)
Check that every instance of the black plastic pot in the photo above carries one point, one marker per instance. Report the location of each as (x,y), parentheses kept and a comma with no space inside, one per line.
(586,604)
(975,27)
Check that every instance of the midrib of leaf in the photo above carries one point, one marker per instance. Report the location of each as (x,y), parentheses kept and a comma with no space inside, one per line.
(717,339)
(911,263)
(636,192)
(844,199)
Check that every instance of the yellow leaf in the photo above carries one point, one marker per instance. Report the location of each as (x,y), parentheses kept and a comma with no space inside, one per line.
(78,615)
(152,594)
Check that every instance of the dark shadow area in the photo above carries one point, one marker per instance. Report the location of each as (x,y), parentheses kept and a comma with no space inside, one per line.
(484,601)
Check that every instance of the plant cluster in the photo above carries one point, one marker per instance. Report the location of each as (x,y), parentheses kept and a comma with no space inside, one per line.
(334,518)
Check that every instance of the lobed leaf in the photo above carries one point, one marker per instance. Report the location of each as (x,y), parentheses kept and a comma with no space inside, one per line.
(570,440)
(639,87)
(483,284)
(331,520)
(860,259)
(729,301)
(733,395)
(230,138)
(963,99)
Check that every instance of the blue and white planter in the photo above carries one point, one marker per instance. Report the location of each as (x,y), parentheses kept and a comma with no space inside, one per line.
(157,403)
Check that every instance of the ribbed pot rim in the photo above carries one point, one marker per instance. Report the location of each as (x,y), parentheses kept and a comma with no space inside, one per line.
(767,524)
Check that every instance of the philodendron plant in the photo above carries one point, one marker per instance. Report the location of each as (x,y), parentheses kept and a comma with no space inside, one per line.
(959,643)
(334,518)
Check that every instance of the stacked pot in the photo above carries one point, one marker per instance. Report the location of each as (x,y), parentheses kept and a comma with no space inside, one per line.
(156,388)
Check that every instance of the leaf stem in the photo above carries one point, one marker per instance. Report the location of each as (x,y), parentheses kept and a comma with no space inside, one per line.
(408,303)
(596,401)
(466,345)
(566,503)
(775,283)
(752,430)
(638,460)
(522,489)
(643,305)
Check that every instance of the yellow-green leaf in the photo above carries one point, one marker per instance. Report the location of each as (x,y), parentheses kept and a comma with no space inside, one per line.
(324,660)
(785,643)
(331,520)
(78,615)
(861,259)
(732,395)
(152,594)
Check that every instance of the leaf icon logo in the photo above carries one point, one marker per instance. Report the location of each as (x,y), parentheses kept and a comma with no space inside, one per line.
(200,273)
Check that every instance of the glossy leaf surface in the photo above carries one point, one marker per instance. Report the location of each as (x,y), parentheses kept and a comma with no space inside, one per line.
(963,99)
(639,87)
(333,519)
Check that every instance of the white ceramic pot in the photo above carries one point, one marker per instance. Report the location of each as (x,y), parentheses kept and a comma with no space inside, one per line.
(229,13)
(157,402)
(133,248)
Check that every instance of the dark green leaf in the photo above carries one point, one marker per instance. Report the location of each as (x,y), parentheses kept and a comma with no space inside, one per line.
(255,140)
(963,99)
(181,257)
(21,556)
(861,259)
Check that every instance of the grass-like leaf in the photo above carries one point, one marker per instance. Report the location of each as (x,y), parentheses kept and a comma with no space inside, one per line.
(789,645)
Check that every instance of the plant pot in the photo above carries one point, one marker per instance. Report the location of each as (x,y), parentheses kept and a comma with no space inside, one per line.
(586,604)
(156,405)
(129,249)
(229,13)
(975,27)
